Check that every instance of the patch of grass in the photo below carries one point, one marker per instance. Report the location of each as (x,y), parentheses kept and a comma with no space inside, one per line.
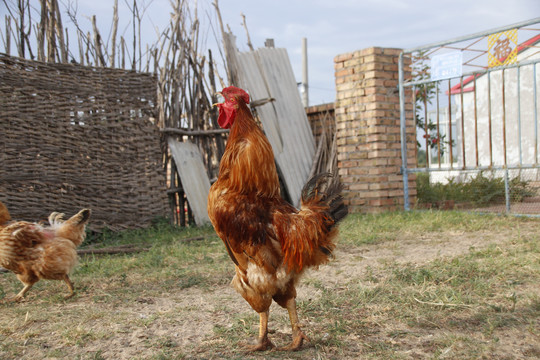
(240,328)
(97,356)
(372,229)
(463,306)
(80,336)
(159,233)
(482,292)
(170,261)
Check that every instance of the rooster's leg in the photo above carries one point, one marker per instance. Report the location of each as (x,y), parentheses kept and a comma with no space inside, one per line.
(297,335)
(263,343)
(23,292)
(70,286)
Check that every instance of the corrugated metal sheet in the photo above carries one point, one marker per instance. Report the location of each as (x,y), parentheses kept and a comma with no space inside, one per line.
(188,160)
(267,73)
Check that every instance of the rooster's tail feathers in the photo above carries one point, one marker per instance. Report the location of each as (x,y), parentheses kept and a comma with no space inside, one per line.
(325,189)
(309,239)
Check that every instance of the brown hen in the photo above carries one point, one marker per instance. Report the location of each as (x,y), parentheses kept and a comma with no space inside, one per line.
(33,251)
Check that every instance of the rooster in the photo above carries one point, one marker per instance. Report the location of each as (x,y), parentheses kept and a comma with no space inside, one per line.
(33,251)
(270,242)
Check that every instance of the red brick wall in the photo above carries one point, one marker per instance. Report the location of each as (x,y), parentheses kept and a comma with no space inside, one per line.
(368,130)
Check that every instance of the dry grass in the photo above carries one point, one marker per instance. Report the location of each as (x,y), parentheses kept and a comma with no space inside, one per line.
(421,285)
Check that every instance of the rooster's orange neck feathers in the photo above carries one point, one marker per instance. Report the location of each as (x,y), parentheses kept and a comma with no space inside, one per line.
(248,165)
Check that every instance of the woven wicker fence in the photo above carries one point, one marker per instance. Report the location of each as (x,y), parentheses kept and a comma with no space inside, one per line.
(73,137)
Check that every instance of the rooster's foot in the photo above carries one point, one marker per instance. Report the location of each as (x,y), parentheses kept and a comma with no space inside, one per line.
(296,344)
(263,344)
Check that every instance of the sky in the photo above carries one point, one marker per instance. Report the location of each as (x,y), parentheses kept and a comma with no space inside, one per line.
(331,27)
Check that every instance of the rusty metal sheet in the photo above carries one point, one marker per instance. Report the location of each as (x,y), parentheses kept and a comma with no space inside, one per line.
(267,73)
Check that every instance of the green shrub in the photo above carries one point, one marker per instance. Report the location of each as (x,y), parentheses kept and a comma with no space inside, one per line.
(479,190)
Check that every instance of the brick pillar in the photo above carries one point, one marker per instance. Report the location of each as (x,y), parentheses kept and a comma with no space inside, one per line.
(368,130)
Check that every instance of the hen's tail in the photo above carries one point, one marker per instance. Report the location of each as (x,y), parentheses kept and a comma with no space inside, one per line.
(73,228)
(311,234)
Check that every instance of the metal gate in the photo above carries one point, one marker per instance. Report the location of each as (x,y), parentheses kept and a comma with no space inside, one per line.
(475,104)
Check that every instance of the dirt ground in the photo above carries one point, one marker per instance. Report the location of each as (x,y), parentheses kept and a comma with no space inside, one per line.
(189,316)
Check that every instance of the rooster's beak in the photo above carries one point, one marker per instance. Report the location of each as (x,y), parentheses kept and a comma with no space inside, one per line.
(218,93)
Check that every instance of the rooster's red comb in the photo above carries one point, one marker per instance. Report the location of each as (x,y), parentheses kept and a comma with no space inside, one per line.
(234,92)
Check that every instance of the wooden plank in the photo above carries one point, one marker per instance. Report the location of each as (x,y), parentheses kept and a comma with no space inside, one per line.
(194,177)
